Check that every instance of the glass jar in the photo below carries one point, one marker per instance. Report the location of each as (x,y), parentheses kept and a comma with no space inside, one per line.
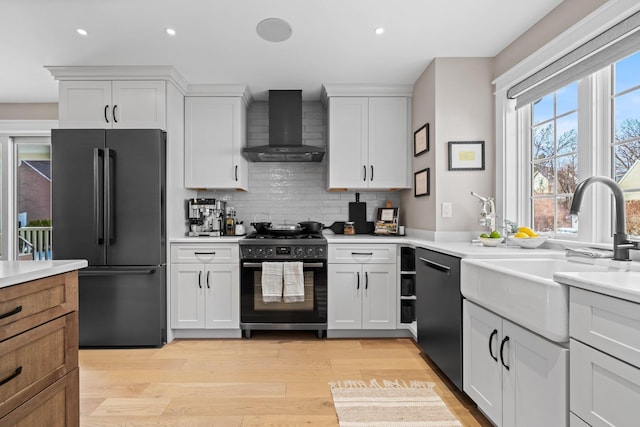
(349,227)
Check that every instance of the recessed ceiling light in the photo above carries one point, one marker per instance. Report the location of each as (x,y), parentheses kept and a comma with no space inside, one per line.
(274,29)
(82,31)
(171,31)
(379,31)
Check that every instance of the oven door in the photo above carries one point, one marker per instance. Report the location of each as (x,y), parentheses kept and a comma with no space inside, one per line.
(313,310)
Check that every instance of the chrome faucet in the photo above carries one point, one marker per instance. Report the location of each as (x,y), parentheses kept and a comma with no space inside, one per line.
(621,242)
(488,214)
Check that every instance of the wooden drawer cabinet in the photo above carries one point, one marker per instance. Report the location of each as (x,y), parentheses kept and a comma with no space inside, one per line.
(32,303)
(34,360)
(56,406)
(39,352)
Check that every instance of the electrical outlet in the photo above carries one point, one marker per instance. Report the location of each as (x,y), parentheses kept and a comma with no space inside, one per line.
(447,209)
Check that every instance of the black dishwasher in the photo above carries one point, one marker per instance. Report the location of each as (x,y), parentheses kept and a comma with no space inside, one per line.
(439,311)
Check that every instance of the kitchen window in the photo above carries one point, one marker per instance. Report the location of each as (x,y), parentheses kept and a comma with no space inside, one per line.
(625,145)
(576,115)
(594,123)
(554,160)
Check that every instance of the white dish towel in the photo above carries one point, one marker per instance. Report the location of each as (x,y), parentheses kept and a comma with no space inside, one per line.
(272,281)
(293,282)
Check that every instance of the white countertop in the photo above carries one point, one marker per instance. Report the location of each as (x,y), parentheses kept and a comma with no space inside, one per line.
(458,249)
(220,239)
(15,272)
(619,284)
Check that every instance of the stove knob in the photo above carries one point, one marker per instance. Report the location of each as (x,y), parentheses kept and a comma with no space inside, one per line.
(320,251)
(269,251)
(248,252)
(310,251)
(259,252)
(298,251)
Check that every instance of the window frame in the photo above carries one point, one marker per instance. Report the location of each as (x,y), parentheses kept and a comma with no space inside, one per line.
(8,130)
(511,180)
(594,124)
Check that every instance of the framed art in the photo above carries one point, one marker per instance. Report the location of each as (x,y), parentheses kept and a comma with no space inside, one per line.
(421,183)
(466,155)
(421,140)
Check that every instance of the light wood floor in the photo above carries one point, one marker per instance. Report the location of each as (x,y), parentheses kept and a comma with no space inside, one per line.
(273,379)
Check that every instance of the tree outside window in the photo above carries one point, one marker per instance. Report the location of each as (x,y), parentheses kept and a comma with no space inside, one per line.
(626,136)
(554,160)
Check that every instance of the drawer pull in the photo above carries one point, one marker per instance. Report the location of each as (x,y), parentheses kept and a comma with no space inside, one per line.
(440,267)
(361,253)
(204,253)
(15,311)
(504,341)
(494,333)
(17,372)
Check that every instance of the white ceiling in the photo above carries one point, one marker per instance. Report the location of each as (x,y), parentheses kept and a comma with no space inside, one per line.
(216,42)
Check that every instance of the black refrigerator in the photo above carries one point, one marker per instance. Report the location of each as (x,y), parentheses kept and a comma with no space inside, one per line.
(108,207)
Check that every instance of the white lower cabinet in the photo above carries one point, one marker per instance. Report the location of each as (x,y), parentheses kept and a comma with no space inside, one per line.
(516,377)
(605,359)
(362,296)
(205,287)
(362,287)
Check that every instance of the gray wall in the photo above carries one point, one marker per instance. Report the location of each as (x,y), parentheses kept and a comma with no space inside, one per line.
(29,111)
(565,15)
(294,191)
(455,96)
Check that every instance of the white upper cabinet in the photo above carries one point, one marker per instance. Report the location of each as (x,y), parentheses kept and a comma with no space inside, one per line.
(215,133)
(368,138)
(117,104)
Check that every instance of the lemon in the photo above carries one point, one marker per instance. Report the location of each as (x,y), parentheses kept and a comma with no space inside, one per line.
(526,230)
(521,235)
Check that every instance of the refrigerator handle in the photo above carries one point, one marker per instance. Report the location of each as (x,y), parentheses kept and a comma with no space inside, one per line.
(98,211)
(109,179)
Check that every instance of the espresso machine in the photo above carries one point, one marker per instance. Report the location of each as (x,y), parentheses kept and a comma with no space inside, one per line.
(206,217)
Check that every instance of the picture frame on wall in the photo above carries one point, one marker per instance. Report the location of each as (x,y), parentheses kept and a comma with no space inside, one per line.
(421,183)
(421,140)
(466,155)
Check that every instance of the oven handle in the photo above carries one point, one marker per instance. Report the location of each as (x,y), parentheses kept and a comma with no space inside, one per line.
(306,264)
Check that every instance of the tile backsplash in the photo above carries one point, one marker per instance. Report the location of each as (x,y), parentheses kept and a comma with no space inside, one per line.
(294,192)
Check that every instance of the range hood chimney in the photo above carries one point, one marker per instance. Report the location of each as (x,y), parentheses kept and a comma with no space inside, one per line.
(285,132)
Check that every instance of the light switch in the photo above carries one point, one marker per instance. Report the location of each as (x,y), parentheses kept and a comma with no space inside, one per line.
(447,209)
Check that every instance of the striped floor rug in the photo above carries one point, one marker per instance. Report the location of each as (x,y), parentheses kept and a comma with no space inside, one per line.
(392,403)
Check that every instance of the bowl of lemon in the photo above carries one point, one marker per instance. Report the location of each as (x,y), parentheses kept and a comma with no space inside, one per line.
(527,238)
(492,239)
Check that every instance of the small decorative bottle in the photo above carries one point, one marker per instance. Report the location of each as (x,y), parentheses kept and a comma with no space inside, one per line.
(230,229)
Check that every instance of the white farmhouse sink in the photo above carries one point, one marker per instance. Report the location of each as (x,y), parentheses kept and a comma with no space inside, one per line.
(523,291)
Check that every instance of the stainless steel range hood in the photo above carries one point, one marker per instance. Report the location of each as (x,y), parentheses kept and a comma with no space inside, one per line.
(285,132)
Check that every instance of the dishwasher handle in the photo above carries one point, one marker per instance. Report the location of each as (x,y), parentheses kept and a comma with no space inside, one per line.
(436,266)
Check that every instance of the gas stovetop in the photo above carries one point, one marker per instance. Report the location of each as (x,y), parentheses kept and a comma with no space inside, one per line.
(280,238)
(287,247)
